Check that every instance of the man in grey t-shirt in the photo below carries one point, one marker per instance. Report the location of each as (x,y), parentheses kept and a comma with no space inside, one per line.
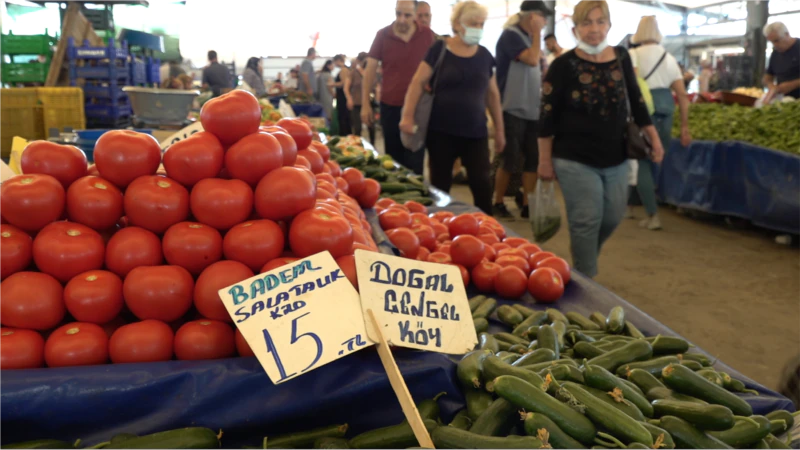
(216,76)
(307,81)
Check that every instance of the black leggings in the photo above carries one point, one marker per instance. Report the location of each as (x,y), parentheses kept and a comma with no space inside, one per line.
(444,149)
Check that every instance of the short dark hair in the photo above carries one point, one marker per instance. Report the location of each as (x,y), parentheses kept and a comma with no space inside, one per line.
(212,55)
(311,51)
(338,57)
(549,35)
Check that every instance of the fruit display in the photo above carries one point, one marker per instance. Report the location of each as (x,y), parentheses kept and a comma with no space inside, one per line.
(772,126)
(476,243)
(756,92)
(125,265)
(269,114)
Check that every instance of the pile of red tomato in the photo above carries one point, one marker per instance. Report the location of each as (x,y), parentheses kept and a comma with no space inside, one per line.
(477,244)
(122,261)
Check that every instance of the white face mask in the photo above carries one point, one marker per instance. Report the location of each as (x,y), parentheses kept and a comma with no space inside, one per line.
(592,49)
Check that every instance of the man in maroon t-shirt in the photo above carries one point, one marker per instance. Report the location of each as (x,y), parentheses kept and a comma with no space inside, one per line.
(400,48)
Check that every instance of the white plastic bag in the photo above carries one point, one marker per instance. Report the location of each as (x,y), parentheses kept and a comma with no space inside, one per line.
(545,214)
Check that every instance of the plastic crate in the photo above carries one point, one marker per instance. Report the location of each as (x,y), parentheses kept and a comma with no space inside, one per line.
(138,72)
(153,70)
(110,111)
(34,72)
(37,44)
(104,72)
(111,92)
(87,52)
(62,107)
(106,122)
(20,115)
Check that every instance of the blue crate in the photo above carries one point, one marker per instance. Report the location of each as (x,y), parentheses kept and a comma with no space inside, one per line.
(153,72)
(120,73)
(138,72)
(87,52)
(110,111)
(111,92)
(115,123)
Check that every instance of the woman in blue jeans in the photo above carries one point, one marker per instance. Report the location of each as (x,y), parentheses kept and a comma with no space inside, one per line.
(581,140)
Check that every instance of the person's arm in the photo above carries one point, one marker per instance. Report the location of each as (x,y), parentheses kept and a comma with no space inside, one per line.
(366,85)
(552,92)
(683,107)
(639,110)
(788,86)
(496,111)
(415,89)
(307,84)
(347,84)
(343,75)
(331,85)
(530,56)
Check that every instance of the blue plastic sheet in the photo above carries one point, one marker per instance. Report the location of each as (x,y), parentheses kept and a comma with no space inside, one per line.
(734,179)
(235,395)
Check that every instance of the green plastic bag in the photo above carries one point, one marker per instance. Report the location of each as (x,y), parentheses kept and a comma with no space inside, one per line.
(546,215)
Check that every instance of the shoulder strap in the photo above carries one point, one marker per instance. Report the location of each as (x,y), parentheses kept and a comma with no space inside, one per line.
(624,81)
(438,63)
(656,66)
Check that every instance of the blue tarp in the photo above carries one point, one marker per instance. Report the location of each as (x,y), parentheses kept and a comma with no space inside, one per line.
(734,179)
(235,395)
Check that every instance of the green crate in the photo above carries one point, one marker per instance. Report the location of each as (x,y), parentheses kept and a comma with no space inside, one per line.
(35,72)
(37,44)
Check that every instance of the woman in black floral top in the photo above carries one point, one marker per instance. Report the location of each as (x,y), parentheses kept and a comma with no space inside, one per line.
(581,140)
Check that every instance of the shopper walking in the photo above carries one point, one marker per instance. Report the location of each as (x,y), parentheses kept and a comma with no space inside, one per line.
(553,49)
(254,76)
(583,123)
(352,91)
(306,81)
(464,87)
(783,70)
(325,89)
(342,112)
(519,78)
(399,47)
(216,77)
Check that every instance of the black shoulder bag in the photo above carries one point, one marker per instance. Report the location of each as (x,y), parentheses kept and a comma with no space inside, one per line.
(637,143)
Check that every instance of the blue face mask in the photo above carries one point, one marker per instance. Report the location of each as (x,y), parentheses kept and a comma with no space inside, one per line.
(472,36)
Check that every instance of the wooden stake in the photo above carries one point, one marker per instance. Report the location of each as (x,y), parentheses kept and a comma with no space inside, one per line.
(399,386)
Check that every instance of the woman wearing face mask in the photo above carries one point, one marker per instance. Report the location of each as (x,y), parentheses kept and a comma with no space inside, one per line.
(464,87)
(582,136)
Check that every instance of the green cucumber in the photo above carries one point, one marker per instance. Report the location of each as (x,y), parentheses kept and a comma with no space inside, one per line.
(636,350)
(587,350)
(611,419)
(532,398)
(394,436)
(608,346)
(468,370)
(546,365)
(706,417)
(484,309)
(615,323)
(518,348)
(599,319)
(616,337)
(761,445)
(534,345)
(632,331)
(524,310)
(702,359)
(582,321)
(561,329)
(668,345)
(557,437)
(40,443)
(305,439)
(512,339)
(497,420)
(494,367)
(694,365)
(686,381)
(547,338)
(477,401)
(481,325)
(734,385)
(537,356)
(429,408)
(711,375)
(599,378)
(644,380)
(661,439)
(575,336)
(746,432)
(487,342)
(564,372)
(686,435)
(617,401)
(509,316)
(461,420)
(476,301)
(653,366)
(392,188)
(554,315)
(193,437)
(665,393)
(775,443)
(531,332)
(122,437)
(785,416)
(537,318)
(331,442)
(503,345)
(508,357)
(636,445)
(452,437)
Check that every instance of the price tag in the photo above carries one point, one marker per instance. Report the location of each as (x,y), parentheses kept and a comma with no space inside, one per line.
(418,304)
(184,133)
(298,317)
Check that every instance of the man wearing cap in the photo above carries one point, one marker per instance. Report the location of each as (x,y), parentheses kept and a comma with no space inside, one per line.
(519,77)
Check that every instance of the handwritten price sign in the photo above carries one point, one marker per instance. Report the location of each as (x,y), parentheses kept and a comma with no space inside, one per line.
(418,304)
(298,317)
(184,133)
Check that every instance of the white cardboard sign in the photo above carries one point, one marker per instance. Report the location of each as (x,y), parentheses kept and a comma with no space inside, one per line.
(298,317)
(418,304)
(184,133)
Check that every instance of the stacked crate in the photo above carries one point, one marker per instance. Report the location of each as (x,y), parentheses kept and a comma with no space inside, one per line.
(12,46)
(105,71)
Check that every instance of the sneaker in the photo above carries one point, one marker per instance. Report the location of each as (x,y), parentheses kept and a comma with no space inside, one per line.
(651,223)
(524,212)
(500,211)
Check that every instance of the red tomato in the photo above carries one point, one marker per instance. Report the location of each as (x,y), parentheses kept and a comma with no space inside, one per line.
(326,177)
(444,237)
(500,246)
(199,157)
(254,156)
(132,247)
(440,229)
(114,325)
(65,249)
(122,156)
(329,187)
(510,282)
(441,215)
(439,257)
(65,163)
(369,195)
(385,202)
(336,170)
(76,344)
(30,202)
(416,207)
(557,264)
(313,158)
(348,265)
(21,349)
(444,248)
(94,202)
(156,203)
(513,251)
(31,300)
(242,347)
(405,240)
(463,224)
(483,276)
(217,276)
(425,234)
(16,249)
(400,207)
(231,116)
(278,262)
(342,184)
(315,231)
(298,130)
(355,179)
(515,241)
(221,203)
(271,129)
(284,193)
(288,147)
(394,218)
(145,341)
(513,260)
(545,285)
(192,245)
(254,243)
(322,149)
(423,254)
(94,296)
(204,339)
(497,228)
(302,163)
(490,253)
(158,292)
(464,274)
(418,218)
(332,209)
(489,238)
(467,251)
(530,249)
(540,256)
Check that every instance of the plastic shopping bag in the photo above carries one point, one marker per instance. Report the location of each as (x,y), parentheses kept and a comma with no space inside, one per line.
(546,215)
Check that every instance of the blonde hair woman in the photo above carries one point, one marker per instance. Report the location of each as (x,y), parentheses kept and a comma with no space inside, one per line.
(582,136)
(663,76)
(460,71)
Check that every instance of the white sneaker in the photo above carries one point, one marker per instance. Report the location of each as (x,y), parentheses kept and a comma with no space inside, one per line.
(651,223)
